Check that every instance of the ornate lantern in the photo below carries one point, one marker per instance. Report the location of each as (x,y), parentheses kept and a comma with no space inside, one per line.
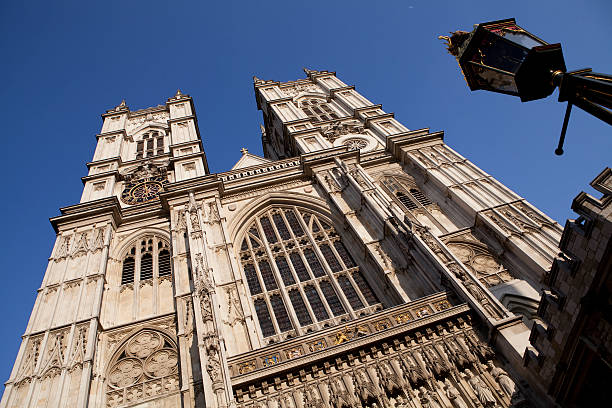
(500,56)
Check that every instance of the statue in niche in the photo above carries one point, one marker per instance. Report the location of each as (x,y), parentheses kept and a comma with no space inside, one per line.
(453,394)
(428,399)
(506,383)
(482,391)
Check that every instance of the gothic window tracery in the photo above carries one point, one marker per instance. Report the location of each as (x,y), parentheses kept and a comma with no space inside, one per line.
(139,261)
(146,366)
(409,196)
(294,260)
(481,262)
(317,109)
(151,144)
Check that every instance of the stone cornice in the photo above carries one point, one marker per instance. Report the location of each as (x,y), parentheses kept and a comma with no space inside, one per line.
(388,115)
(326,156)
(396,142)
(332,91)
(181,119)
(105,206)
(182,188)
(119,132)
(103,161)
(101,175)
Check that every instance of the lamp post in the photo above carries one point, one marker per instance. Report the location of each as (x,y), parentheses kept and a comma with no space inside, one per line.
(499,56)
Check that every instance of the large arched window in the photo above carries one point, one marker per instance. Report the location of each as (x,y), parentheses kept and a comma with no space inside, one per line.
(300,275)
(317,109)
(138,263)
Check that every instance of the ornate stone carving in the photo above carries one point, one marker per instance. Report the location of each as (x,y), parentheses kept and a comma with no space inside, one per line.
(453,394)
(234,309)
(30,360)
(505,382)
(77,357)
(63,249)
(481,389)
(56,346)
(336,129)
(299,88)
(474,290)
(213,213)
(147,366)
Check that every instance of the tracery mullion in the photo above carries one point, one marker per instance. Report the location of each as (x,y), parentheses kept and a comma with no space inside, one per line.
(330,275)
(261,295)
(155,273)
(413,198)
(279,281)
(136,291)
(331,242)
(298,283)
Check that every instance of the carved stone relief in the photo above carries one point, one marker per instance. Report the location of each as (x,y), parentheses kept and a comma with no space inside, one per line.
(145,367)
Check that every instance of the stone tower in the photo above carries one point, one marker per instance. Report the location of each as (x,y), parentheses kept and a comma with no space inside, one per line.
(358,263)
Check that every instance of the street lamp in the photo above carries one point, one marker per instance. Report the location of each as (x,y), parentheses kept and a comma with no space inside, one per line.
(499,56)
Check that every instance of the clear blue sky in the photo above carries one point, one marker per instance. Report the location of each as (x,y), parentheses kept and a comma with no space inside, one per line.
(65,63)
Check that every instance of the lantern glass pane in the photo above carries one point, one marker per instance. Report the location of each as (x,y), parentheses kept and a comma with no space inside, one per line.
(494,51)
(492,80)
(522,38)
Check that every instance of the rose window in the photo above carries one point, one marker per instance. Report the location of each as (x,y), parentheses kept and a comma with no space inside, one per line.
(355,144)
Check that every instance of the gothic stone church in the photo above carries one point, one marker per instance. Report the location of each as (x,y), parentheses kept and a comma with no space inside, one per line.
(358,263)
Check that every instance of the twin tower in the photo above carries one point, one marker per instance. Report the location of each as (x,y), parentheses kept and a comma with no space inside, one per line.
(358,263)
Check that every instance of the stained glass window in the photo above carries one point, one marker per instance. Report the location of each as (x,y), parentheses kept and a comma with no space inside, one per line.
(299,267)
(365,288)
(267,275)
(332,299)
(282,318)
(330,258)
(300,307)
(285,272)
(281,226)
(344,255)
(316,294)
(314,263)
(263,315)
(315,303)
(253,282)
(350,292)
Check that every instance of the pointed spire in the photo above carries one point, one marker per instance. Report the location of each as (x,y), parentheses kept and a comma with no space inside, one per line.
(310,71)
(121,106)
(255,79)
(244,151)
(178,94)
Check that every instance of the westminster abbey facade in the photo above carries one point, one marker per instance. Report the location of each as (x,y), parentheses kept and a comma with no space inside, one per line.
(357,264)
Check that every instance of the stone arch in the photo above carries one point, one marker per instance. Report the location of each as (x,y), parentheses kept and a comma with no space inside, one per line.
(310,95)
(144,366)
(238,225)
(119,247)
(298,270)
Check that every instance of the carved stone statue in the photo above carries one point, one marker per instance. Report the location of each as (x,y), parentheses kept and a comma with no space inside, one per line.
(504,380)
(453,394)
(428,399)
(482,391)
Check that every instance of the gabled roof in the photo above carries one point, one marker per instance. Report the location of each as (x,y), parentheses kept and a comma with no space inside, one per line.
(248,160)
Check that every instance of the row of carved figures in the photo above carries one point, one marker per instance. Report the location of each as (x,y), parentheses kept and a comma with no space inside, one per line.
(451,372)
